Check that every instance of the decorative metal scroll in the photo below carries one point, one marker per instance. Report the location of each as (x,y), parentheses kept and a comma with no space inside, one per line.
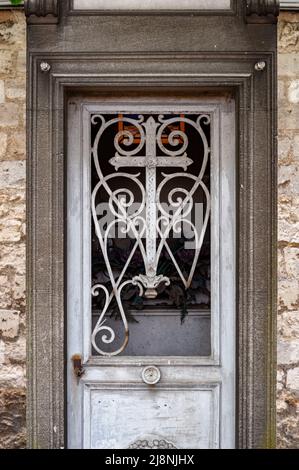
(150,221)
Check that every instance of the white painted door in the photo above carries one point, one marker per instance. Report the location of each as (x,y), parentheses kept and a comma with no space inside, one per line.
(151,272)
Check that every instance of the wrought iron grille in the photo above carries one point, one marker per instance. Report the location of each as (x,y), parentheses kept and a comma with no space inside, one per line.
(151,171)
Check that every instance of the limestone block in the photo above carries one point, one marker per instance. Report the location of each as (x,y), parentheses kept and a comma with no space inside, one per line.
(16,146)
(9,323)
(288,294)
(9,115)
(280,380)
(13,255)
(288,36)
(293,92)
(2,352)
(21,63)
(6,61)
(287,351)
(12,418)
(10,230)
(293,380)
(288,65)
(296,146)
(15,352)
(281,405)
(288,227)
(281,91)
(288,432)
(288,117)
(12,376)
(12,174)
(289,174)
(288,325)
(289,262)
(3,145)
(2,92)
(16,93)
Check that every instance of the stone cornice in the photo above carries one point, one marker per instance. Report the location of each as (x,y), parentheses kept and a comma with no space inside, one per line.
(42,11)
(262,11)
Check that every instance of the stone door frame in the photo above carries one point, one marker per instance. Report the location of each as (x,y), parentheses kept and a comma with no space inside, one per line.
(60,61)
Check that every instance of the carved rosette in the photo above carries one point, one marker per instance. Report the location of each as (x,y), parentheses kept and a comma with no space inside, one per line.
(42,11)
(262,11)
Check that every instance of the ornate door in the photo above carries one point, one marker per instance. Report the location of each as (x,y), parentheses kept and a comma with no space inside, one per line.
(151,272)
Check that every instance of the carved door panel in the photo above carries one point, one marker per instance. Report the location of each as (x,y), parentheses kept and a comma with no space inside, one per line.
(151,272)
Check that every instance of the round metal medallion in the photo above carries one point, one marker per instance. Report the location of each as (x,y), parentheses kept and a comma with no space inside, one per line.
(151,375)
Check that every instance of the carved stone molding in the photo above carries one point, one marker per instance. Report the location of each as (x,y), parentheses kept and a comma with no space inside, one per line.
(262,11)
(42,11)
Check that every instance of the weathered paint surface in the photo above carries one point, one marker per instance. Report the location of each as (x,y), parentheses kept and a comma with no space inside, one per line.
(193,404)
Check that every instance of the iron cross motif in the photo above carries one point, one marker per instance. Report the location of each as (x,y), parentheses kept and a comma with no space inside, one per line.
(160,133)
(151,161)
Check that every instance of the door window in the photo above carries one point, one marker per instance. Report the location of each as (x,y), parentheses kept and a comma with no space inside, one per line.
(151,237)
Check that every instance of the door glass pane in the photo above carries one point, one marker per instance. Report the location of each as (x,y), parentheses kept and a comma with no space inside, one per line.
(151,256)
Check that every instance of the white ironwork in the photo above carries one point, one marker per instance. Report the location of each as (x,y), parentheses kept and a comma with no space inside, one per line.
(157,223)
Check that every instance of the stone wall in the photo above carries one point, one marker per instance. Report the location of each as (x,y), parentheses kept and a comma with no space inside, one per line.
(12,229)
(288,210)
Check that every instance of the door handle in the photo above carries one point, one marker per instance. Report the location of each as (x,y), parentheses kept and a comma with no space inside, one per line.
(151,375)
(77,365)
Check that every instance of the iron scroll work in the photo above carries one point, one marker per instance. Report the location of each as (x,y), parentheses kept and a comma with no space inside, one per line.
(161,144)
